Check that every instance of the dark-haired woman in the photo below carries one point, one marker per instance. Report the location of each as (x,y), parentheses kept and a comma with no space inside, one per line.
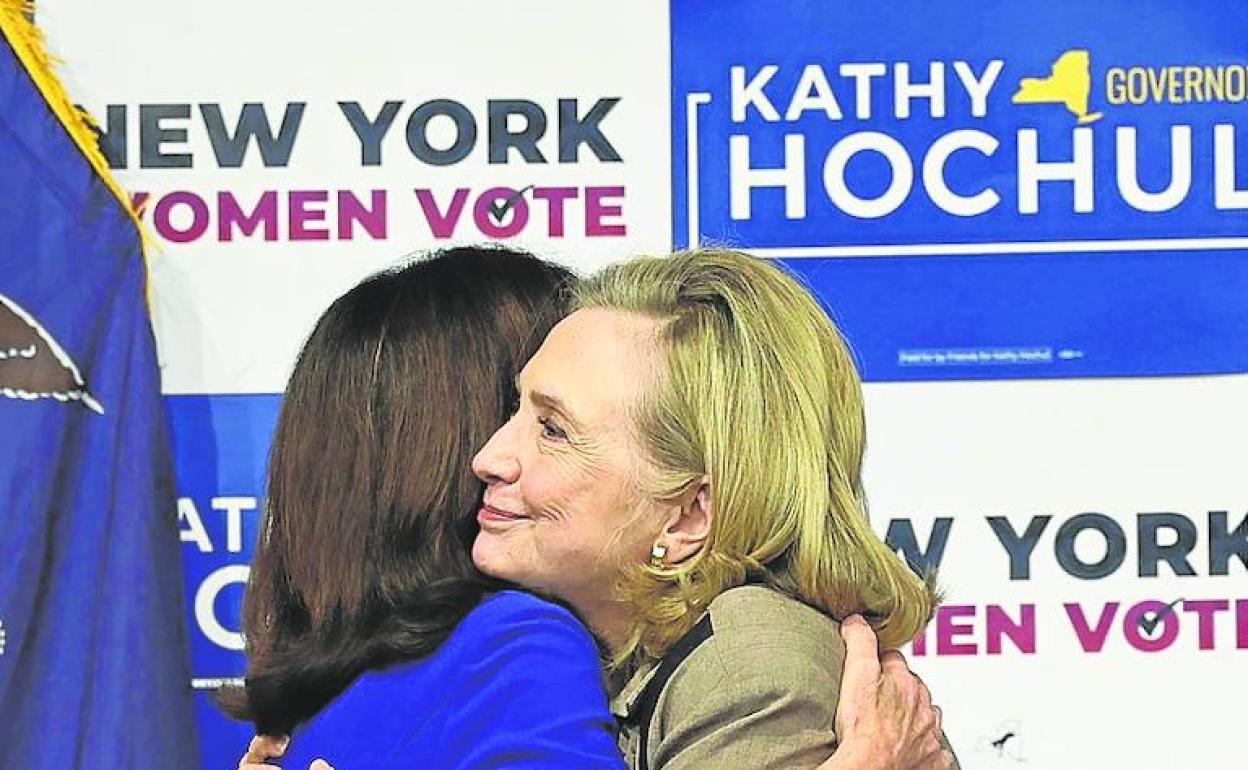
(366,621)
(369,629)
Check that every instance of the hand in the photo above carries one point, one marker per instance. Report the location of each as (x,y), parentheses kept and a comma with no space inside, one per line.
(264,747)
(885,719)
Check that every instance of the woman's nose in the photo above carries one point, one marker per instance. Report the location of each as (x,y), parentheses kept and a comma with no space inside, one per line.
(496,463)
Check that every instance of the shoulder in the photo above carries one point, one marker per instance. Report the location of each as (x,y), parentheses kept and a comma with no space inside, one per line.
(760,692)
(529,690)
(511,628)
(754,622)
(513,601)
(763,645)
(510,613)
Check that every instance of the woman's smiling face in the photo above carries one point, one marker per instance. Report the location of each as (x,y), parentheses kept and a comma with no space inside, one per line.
(563,512)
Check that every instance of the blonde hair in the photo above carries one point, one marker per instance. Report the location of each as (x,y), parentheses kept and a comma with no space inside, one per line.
(756,389)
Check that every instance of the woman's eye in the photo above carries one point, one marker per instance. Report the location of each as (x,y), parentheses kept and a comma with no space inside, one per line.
(551,429)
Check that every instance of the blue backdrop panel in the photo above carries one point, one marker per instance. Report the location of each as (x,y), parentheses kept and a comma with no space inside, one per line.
(1007,291)
(221,446)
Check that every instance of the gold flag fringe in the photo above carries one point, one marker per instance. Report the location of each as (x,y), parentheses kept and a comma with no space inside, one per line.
(27,42)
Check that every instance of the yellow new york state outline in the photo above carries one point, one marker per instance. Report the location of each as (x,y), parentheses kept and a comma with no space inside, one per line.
(1069,83)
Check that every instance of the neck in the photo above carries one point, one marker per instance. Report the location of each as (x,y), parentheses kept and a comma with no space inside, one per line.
(610,621)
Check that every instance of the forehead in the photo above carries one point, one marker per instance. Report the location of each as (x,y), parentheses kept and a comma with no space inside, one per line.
(596,360)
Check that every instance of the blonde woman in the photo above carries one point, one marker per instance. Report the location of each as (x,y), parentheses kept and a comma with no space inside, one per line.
(683,470)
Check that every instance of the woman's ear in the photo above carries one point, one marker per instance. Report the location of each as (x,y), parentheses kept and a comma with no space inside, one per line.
(689,525)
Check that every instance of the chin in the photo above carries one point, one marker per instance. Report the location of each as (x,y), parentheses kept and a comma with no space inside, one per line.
(487,559)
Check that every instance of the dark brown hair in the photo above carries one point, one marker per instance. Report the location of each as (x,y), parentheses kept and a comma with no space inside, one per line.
(364,558)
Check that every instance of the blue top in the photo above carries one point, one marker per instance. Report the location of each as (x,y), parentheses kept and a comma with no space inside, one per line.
(517,685)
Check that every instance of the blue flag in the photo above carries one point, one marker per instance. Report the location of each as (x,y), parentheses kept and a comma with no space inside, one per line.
(93,650)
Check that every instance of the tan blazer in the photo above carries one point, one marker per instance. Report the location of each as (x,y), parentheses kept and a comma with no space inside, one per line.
(761,692)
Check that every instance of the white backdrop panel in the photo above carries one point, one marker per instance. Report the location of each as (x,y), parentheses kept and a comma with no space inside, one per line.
(1120,448)
(231,314)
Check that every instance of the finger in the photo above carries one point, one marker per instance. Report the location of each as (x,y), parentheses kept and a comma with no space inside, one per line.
(946,760)
(922,694)
(257,766)
(862,666)
(893,664)
(898,676)
(253,753)
(940,715)
(320,764)
(264,747)
(896,681)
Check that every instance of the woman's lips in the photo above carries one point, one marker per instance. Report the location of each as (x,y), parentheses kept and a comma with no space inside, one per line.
(491,515)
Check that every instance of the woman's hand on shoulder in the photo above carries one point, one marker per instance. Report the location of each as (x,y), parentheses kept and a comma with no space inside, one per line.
(265,747)
(885,719)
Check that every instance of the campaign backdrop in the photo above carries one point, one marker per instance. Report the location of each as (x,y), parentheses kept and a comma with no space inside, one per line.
(1029,220)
